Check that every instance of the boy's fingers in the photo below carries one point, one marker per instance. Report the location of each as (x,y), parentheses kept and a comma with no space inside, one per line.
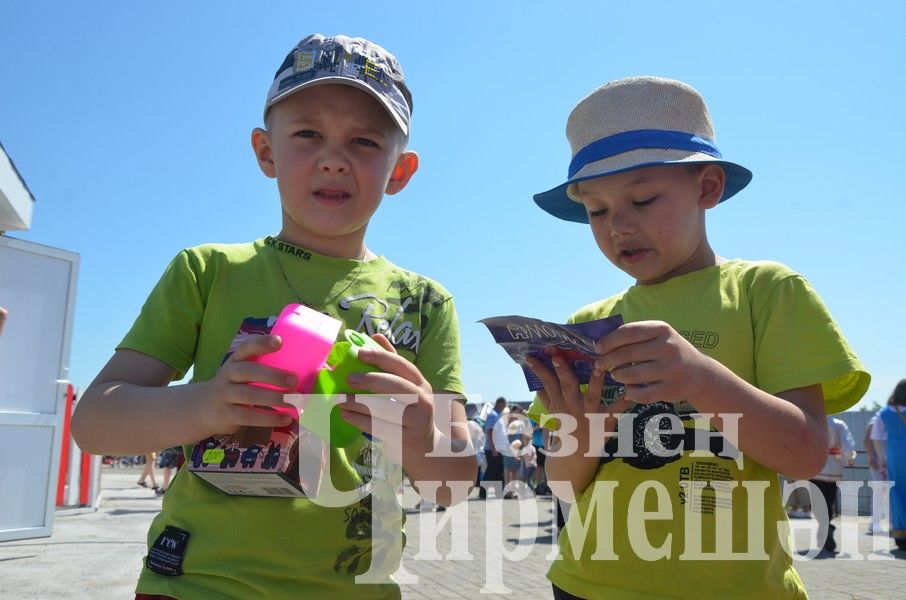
(246,372)
(644,393)
(381,339)
(255,346)
(357,420)
(374,411)
(388,384)
(639,373)
(362,404)
(630,354)
(595,388)
(253,395)
(549,380)
(618,357)
(630,333)
(569,385)
(391,363)
(252,417)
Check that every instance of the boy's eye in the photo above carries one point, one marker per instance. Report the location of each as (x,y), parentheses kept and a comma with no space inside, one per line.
(365,142)
(647,202)
(306,133)
(598,212)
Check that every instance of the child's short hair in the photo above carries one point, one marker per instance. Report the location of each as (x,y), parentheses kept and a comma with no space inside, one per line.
(634,123)
(357,62)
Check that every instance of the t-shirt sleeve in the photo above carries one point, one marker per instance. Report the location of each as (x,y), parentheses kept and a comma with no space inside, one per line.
(798,343)
(438,356)
(167,326)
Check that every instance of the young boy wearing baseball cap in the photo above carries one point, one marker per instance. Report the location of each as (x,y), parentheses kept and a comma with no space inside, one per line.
(724,369)
(336,127)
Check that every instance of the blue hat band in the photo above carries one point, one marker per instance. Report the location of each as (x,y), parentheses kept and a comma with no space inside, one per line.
(638,139)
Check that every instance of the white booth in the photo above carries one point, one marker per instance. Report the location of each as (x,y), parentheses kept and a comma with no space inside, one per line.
(37,289)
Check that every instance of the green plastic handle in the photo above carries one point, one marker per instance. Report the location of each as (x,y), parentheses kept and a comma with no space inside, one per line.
(322,414)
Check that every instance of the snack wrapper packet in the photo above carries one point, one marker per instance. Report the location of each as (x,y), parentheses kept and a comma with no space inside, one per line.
(522,337)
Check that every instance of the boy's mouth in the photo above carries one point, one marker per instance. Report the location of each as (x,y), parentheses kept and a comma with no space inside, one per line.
(634,254)
(331,195)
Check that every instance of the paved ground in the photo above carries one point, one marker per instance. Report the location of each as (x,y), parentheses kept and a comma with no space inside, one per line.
(97,554)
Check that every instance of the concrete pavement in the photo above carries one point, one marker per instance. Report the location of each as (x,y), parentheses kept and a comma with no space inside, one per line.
(98,554)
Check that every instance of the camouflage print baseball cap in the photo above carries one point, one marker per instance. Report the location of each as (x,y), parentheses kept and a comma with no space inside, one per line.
(318,60)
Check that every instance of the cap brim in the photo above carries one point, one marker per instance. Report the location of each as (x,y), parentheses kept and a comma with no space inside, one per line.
(557,203)
(350,81)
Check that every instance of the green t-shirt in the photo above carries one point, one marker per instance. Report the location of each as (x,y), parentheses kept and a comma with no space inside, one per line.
(249,547)
(767,325)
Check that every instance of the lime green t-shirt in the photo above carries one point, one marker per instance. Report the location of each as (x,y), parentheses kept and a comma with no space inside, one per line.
(706,522)
(249,547)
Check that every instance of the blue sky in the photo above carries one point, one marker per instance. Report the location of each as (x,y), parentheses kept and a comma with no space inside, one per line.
(131,123)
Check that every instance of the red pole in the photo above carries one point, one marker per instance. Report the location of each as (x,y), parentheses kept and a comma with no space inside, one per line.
(64,446)
(85,479)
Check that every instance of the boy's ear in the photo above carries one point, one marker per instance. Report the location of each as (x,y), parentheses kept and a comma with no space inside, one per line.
(712,178)
(405,168)
(261,144)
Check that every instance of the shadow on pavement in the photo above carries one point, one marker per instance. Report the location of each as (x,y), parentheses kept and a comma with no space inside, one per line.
(541,539)
(127,511)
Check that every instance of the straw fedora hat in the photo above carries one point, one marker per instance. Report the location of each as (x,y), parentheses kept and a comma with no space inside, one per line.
(634,123)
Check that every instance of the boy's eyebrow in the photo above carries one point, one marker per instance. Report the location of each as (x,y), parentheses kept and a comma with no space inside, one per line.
(316,120)
(640,178)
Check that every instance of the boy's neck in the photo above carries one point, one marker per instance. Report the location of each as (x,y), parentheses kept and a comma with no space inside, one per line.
(333,248)
(704,259)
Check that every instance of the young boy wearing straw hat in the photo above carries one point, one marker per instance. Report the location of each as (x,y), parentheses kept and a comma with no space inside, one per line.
(724,369)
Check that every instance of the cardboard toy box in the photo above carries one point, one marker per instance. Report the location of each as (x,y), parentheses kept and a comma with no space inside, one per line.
(260,461)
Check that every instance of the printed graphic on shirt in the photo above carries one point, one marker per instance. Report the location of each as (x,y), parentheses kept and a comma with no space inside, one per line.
(711,496)
(655,443)
(397,314)
(365,546)
(658,440)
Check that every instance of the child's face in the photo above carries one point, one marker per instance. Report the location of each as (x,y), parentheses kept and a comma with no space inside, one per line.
(650,222)
(335,152)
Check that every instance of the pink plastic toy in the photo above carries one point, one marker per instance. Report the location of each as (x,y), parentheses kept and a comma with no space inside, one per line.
(308,337)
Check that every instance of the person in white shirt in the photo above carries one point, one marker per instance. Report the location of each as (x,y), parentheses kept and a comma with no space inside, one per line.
(875,441)
(841,449)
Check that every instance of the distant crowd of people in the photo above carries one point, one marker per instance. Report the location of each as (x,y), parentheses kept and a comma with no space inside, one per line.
(168,460)
(884,441)
(511,463)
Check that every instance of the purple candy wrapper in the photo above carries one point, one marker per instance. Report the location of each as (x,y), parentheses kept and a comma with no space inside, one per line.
(522,337)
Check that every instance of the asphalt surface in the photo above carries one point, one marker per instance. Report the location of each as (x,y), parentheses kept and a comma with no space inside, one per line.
(98,553)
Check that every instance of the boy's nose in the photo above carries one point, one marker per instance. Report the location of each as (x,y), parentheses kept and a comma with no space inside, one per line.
(622,224)
(333,162)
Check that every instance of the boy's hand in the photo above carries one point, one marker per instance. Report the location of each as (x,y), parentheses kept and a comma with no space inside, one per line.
(228,402)
(654,362)
(561,393)
(397,377)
